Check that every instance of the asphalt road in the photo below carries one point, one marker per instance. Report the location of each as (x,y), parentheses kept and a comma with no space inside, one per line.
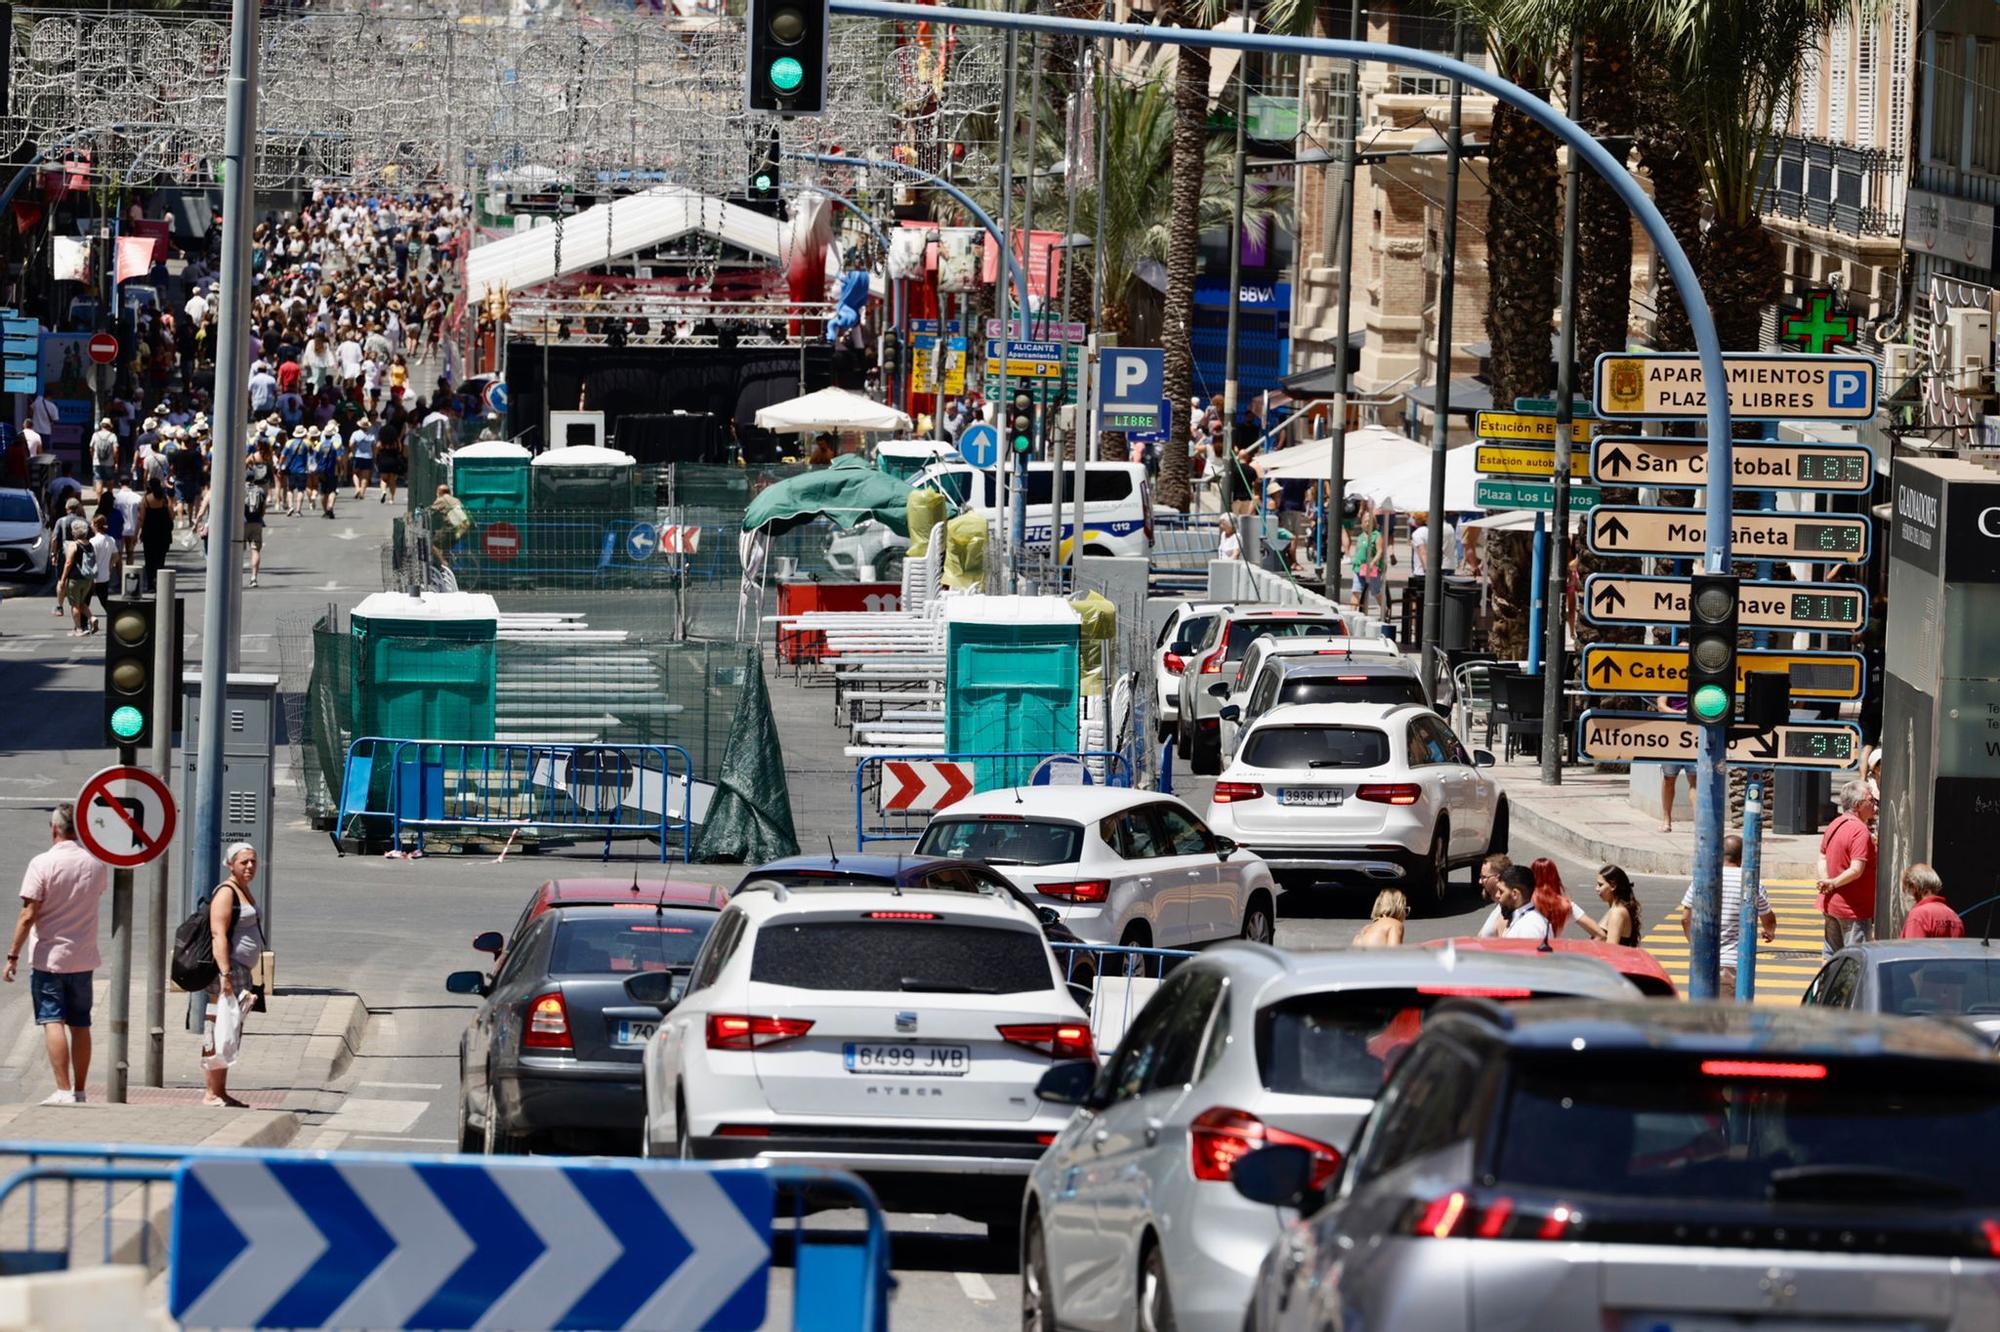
(391,930)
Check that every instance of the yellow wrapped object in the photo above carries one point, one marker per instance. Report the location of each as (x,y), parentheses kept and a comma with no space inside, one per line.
(1100,626)
(965,552)
(926,510)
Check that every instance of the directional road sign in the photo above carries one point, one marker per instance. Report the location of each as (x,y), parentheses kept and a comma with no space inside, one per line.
(1621,737)
(1625,460)
(501,541)
(1765,386)
(496,397)
(1823,607)
(1822,538)
(1130,383)
(1060,330)
(1579,408)
(680,539)
(912,787)
(1617,669)
(290,1241)
(641,542)
(980,444)
(125,816)
(1521,460)
(1526,428)
(1027,360)
(1533,495)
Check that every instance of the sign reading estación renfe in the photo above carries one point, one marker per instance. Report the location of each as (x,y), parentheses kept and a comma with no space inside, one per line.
(1762,387)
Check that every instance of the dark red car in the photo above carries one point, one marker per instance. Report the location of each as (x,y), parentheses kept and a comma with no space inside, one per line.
(634,892)
(1634,964)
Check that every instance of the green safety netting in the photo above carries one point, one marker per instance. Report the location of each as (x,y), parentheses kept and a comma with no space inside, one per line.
(846,493)
(750,817)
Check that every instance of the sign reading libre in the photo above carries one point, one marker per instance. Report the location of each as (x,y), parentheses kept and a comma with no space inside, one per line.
(1818,537)
(1617,460)
(1622,737)
(1762,387)
(1609,669)
(1826,607)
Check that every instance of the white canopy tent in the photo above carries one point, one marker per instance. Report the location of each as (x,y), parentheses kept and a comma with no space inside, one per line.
(625,226)
(833,409)
(1407,486)
(1371,450)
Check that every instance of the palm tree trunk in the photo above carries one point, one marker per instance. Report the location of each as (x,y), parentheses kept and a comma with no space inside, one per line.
(1669,157)
(1183,259)
(1741,274)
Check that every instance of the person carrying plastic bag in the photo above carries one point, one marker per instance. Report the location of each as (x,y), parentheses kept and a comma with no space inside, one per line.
(238,931)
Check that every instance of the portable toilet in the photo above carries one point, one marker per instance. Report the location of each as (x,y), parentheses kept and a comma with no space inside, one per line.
(1011,670)
(490,479)
(583,478)
(425,667)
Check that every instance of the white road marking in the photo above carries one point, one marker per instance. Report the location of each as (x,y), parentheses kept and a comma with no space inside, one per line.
(395,1137)
(974,1286)
(406,1086)
(360,1114)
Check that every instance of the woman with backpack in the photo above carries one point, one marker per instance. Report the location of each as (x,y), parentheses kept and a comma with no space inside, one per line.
(237,937)
(79,571)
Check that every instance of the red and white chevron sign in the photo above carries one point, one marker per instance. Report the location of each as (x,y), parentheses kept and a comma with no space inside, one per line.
(680,540)
(915,788)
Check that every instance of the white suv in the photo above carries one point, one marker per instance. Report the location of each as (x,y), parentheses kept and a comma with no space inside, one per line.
(1122,866)
(899,1035)
(1382,791)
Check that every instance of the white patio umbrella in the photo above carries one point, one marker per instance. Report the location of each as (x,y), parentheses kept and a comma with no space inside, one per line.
(1407,486)
(1371,450)
(833,409)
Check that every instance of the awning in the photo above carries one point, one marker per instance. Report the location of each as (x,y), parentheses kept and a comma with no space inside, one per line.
(606,232)
(1467,397)
(1371,451)
(1407,486)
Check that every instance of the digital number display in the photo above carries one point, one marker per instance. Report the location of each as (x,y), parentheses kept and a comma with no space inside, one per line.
(1826,607)
(1829,745)
(1848,467)
(1131,421)
(1827,538)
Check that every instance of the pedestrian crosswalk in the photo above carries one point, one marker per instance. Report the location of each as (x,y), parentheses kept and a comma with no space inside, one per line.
(1785,966)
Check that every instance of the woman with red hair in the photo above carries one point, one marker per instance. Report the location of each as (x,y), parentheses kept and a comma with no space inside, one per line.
(1549,911)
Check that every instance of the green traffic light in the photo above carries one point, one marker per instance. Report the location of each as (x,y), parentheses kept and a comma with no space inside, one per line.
(763,181)
(127,722)
(1711,702)
(787,74)
(1022,444)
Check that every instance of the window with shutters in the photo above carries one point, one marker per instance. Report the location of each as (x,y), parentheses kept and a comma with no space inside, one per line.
(1986,125)
(1901,34)
(1809,96)
(1947,109)
(1864,86)
(1838,70)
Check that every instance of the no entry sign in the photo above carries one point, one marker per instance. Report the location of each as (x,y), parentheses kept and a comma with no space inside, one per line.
(501,541)
(103,348)
(125,816)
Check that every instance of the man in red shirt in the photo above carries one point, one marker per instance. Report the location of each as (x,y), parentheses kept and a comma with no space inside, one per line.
(1847,870)
(1931,917)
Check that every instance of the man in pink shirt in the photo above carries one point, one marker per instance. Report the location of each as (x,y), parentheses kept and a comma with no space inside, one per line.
(1931,917)
(59,897)
(1847,870)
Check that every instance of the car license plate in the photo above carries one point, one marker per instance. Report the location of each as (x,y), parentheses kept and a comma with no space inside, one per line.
(1312,795)
(629,1035)
(931,1061)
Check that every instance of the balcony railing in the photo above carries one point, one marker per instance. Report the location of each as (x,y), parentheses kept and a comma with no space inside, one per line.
(1836,186)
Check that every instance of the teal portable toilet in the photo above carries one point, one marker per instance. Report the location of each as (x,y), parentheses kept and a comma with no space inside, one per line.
(490,479)
(583,478)
(1011,669)
(425,667)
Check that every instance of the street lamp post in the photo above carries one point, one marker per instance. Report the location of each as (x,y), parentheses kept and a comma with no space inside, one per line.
(1441,404)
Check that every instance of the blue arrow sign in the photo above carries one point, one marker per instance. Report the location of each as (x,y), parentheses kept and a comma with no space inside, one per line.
(980,444)
(496,397)
(394,1242)
(641,542)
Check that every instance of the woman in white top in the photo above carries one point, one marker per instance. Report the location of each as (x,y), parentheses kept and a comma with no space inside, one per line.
(237,932)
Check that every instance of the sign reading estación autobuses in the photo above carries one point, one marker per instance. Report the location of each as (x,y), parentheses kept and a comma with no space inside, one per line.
(1762,387)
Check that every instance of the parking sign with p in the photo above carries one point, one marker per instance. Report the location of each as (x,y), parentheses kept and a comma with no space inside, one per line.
(1131,382)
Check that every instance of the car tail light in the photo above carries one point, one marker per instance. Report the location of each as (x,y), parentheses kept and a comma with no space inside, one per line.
(744,1131)
(899,915)
(1228,793)
(1083,890)
(746,1031)
(1212,663)
(1220,1137)
(1989,1229)
(1057,1040)
(1759,1068)
(1390,793)
(548,1024)
(1479,991)
(1174,662)
(1460,1215)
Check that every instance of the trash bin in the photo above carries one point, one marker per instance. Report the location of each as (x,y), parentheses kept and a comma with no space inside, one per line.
(1460,613)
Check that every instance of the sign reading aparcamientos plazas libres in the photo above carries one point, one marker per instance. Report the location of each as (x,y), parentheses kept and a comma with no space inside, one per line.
(1762,387)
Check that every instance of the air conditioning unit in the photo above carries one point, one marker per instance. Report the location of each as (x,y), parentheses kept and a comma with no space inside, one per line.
(1900,364)
(1968,351)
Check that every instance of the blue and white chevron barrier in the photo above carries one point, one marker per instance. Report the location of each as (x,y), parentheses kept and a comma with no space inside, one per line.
(380,1242)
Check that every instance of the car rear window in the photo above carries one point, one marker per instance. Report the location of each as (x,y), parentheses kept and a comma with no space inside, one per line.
(915,956)
(17,508)
(1003,839)
(1941,985)
(1243,633)
(1347,1042)
(648,941)
(1190,633)
(1317,747)
(1353,689)
(1870,1132)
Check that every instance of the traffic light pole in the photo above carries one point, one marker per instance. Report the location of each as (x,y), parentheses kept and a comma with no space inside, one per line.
(1555,618)
(117,1059)
(153,1072)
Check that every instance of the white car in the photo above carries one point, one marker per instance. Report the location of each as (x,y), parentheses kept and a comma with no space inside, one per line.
(899,1034)
(24,538)
(1124,867)
(1384,792)
(1183,631)
(1269,653)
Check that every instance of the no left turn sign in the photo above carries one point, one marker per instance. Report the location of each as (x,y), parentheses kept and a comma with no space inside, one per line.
(125,817)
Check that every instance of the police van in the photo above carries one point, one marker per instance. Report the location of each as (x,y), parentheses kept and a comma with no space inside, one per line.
(1117,503)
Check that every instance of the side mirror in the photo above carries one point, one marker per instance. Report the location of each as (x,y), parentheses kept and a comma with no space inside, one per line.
(1220,689)
(1230,712)
(1069,1082)
(1225,847)
(466,982)
(1483,758)
(662,989)
(1276,1176)
(490,942)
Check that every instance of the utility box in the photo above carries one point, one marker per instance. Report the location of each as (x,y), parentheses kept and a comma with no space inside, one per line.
(250,738)
(1011,672)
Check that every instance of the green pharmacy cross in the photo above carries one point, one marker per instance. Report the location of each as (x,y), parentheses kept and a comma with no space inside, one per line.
(1820,329)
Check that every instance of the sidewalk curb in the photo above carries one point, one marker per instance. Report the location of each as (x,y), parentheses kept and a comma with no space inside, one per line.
(1634,860)
(336,1038)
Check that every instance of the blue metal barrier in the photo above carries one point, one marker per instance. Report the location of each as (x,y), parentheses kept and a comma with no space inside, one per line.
(595,788)
(309,1239)
(1120,980)
(892,821)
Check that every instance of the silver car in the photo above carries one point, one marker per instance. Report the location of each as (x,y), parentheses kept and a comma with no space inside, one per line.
(1647,1166)
(1130,1218)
